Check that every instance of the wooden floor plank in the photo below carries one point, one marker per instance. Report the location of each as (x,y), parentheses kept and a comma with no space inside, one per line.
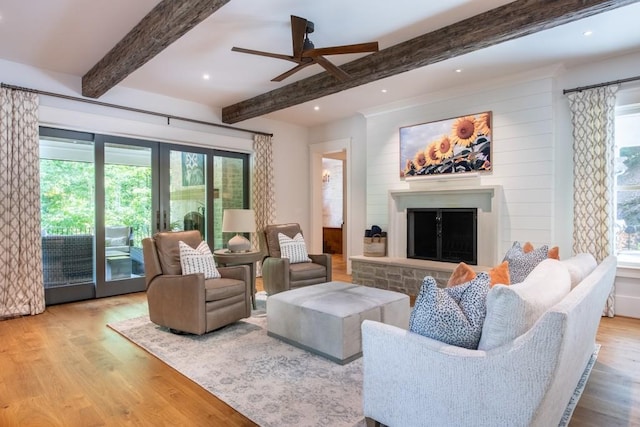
(65,367)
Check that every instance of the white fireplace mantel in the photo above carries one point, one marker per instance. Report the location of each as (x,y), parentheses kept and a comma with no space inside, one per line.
(486,198)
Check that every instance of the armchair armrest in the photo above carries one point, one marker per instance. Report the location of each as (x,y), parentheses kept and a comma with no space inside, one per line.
(241,272)
(275,275)
(323,259)
(178,301)
(409,379)
(238,272)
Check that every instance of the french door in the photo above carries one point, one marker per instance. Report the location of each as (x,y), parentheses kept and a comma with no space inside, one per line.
(101,195)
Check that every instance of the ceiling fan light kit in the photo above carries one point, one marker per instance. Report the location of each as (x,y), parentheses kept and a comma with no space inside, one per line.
(305,53)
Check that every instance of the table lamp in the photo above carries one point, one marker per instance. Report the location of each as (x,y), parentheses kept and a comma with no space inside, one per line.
(238,221)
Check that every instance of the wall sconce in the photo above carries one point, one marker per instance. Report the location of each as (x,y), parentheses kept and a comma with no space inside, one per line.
(326,176)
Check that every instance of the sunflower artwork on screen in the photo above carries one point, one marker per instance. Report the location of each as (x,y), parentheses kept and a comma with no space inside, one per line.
(458,145)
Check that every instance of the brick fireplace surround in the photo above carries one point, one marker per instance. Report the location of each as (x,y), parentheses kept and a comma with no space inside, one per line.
(398,273)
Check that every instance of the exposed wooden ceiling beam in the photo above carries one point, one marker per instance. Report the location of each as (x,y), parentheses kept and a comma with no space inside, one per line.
(508,22)
(166,23)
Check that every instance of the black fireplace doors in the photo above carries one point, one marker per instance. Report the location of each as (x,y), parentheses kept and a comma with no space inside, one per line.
(442,234)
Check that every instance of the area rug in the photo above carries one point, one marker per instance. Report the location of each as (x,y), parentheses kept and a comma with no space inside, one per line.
(266,380)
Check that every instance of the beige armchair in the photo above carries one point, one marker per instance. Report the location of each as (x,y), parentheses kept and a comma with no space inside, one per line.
(189,303)
(278,274)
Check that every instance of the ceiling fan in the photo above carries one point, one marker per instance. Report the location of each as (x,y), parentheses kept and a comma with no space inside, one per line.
(305,53)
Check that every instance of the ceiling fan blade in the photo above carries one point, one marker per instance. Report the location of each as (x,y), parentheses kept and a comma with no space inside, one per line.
(291,71)
(337,50)
(298,31)
(261,53)
(332,69)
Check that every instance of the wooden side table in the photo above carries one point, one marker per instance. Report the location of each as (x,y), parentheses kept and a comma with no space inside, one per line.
(224,258)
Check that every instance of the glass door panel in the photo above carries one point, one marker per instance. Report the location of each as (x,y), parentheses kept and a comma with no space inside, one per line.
(67,197)
(102,195)
(229,192)
(128,199)
(187,192)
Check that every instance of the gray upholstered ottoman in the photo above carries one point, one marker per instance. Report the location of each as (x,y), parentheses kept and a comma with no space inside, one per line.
(326,318)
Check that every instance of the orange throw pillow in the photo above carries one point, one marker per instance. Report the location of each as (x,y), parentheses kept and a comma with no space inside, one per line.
(554,252)
(500,274)
(463,274)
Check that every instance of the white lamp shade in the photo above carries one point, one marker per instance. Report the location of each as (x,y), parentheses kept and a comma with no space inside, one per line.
(238,221)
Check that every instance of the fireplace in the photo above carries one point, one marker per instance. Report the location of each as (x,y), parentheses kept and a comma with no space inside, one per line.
(442,234)
(487,200)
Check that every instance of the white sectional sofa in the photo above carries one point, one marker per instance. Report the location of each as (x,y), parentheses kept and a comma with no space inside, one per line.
(533,357)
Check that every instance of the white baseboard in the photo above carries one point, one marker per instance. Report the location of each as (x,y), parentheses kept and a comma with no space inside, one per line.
(628,306)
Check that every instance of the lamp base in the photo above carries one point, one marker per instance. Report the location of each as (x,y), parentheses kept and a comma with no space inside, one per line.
(239,243)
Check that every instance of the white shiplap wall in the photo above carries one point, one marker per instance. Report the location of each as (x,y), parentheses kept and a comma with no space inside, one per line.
(523,154)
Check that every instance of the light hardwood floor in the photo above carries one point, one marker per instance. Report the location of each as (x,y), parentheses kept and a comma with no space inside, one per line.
(65,367)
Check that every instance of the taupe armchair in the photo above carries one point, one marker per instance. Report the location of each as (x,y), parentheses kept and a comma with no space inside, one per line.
(278,274)
(189,303)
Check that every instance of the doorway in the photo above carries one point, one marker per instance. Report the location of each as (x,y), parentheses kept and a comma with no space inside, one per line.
(333,202)
(334,150)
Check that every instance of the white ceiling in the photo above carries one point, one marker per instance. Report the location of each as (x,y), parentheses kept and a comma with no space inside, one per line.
(70,36)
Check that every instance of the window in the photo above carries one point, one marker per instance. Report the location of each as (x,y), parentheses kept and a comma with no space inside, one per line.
(627,194)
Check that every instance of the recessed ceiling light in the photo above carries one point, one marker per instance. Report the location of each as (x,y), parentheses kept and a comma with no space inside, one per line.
(206,76)
(459,70)
(383,91)
(587,33)
(317,107)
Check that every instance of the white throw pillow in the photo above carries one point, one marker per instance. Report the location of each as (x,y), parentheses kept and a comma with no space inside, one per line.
(513,310)
(294,249)
(116,241)
(198,260)
(579,266)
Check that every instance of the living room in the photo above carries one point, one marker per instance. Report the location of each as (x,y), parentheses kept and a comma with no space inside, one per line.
(532,155)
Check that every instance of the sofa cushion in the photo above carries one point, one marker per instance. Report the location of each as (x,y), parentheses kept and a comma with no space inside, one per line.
(521,263)
(464,273)
(198,260)
(271,236)
(451,315)
(512,310)
(579,266)
(223,288)
(293,248)
(306,271)
(169,251)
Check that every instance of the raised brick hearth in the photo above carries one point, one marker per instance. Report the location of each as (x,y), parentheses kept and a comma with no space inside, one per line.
(399,274)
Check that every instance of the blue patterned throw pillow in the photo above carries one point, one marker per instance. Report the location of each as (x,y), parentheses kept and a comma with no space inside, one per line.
(294,249)
(451,315)
(521,263)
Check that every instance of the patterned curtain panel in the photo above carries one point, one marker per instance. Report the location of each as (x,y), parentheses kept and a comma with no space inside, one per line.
(593,117)
(21,286)
(263,194)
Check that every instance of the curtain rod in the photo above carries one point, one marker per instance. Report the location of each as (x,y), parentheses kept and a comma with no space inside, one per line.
(615,82)
(135,110)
